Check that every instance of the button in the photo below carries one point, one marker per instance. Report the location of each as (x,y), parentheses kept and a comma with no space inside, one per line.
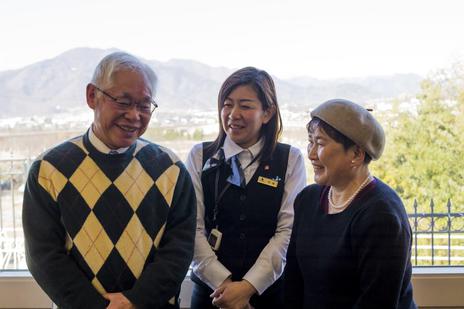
(242,217)
(242,236)
(243,197)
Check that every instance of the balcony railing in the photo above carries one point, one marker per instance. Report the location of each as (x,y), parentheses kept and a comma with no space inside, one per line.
(13,173)
(438,237)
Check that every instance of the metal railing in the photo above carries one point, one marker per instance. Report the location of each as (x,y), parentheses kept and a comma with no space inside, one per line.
(438,237)
(13,173)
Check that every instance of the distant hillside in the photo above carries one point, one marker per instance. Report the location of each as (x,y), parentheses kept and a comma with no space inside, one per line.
(58,84)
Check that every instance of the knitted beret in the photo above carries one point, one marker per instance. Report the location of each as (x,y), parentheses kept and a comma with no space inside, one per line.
(355,122)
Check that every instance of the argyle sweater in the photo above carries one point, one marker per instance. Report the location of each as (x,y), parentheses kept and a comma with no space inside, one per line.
(97,223)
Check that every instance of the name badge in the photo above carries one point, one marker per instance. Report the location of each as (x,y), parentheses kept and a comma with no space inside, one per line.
(268,181)
(214,239)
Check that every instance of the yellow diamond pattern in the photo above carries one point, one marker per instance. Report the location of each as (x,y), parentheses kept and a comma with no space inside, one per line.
(139,145)
(93,243)
(98,286)
(159,236)
(134,245)
(78,141)
(51,179)
(68,242)
(166,183)
(90,181)
(134,183)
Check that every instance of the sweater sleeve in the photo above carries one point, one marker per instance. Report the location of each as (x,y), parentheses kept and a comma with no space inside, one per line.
(161,280)
(293,280)
(46,256)
(382,243)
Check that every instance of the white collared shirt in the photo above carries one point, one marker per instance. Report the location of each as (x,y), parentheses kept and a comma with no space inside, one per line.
(100,146)
(245,156)
(271,261)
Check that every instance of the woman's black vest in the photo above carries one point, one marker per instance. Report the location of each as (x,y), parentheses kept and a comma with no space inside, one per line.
(247,217)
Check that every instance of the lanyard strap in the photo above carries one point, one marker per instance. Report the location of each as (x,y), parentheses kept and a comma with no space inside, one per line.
(218,197)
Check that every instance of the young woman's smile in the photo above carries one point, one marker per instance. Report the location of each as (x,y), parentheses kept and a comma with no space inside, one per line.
(243,116)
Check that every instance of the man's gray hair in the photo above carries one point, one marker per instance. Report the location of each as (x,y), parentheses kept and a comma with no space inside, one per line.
(117,61)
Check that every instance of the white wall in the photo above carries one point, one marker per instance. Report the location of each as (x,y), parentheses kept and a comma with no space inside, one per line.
(433,288)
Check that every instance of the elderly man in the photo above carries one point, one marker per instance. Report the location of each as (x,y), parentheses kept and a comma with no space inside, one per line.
(109,218)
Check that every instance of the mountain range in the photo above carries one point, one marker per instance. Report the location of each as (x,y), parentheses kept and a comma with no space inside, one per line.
(58,84)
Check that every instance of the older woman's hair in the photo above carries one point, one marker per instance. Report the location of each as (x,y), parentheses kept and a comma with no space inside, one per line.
(118,61)
(317,123)
(263,84)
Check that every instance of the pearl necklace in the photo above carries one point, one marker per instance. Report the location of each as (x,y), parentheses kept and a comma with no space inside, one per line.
(351,198)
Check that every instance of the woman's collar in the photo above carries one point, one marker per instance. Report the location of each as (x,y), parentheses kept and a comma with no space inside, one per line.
(231,148)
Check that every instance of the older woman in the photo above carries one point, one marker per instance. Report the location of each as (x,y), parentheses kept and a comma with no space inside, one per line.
(351,240)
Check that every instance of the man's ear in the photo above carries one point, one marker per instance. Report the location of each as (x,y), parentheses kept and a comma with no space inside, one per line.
(268,113)
(91,96)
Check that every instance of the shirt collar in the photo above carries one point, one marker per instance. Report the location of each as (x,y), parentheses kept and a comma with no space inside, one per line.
(100,146)
(231,148)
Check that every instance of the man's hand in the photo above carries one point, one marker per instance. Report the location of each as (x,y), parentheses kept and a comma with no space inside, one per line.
(118,301)
(233,295)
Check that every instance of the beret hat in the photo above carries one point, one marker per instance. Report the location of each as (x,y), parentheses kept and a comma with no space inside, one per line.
(355,122)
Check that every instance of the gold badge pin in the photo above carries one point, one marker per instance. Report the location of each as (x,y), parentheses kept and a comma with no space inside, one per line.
(268,181)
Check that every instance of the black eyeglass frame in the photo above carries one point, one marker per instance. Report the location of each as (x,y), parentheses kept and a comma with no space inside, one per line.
(126,106)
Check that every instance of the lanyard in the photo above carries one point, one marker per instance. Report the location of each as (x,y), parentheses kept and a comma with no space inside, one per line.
(217,197)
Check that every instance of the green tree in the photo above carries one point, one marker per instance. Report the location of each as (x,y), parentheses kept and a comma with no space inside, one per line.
(424,153)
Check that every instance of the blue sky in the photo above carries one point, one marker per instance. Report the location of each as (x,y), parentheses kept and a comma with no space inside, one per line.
(321,39)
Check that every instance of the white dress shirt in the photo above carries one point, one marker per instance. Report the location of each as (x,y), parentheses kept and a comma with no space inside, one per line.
(100,146)
(271,261)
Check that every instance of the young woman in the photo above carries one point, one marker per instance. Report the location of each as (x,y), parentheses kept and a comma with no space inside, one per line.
(351,241)
(245,183)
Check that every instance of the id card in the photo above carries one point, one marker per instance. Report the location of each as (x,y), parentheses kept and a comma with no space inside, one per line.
(214,239)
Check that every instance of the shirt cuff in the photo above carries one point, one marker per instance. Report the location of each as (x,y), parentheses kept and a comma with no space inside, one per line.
(213,274)
(257,280)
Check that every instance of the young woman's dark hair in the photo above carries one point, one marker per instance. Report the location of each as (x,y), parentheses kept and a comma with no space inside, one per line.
(263,84)
(334,134)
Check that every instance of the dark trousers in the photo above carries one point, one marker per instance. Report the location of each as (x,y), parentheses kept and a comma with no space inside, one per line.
(200,297)
(272,298)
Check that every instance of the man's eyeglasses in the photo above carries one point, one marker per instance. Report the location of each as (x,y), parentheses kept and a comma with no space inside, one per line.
(146,106)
